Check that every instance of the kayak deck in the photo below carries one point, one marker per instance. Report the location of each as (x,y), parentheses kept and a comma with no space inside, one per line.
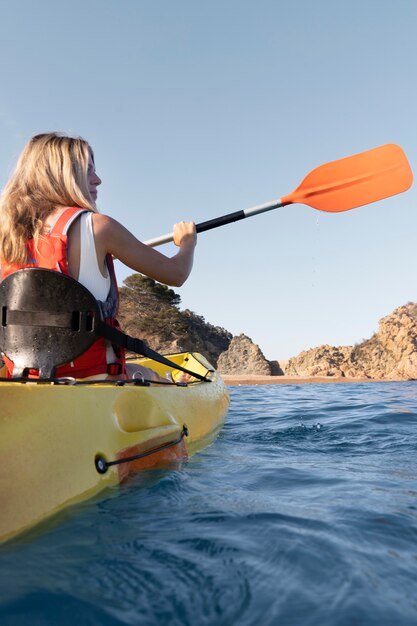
(64,443)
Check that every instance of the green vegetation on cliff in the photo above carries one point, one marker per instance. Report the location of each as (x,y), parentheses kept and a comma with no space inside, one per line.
(150,311)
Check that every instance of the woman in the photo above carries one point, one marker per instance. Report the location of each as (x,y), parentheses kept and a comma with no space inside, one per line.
(48,218)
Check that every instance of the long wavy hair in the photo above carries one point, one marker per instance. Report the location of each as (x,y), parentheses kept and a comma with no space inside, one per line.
(51,172)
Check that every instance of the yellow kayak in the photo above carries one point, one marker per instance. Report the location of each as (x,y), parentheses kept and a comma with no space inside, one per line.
(65,442)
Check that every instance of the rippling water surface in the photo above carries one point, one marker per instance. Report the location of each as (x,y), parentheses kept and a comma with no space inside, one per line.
(304,511)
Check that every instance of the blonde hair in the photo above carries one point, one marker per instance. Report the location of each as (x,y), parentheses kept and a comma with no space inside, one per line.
(51,172)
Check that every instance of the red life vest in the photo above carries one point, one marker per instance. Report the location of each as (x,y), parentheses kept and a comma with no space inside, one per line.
(50,252)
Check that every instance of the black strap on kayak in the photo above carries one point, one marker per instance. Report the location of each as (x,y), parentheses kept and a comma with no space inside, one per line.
(48,319)
(102,465)
(132,344)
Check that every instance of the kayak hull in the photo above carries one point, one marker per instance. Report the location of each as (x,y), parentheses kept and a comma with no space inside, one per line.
(52,437)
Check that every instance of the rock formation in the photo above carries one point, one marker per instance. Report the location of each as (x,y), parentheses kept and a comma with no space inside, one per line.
(322,361)
(390,353)
(151,311)
(243,357)
(277,368)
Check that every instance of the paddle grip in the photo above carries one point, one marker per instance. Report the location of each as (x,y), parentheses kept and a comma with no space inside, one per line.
(220,221)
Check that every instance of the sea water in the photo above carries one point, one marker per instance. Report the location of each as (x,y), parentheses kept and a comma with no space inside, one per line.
(303,511)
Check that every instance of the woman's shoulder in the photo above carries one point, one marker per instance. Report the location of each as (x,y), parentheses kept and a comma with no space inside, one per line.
(109,234)
(104,223)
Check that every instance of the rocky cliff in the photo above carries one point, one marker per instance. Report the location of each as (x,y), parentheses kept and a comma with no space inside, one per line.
(390,353)
(151,311)
(243,357)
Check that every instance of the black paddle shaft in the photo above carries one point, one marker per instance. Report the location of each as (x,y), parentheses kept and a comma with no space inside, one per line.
(220,221)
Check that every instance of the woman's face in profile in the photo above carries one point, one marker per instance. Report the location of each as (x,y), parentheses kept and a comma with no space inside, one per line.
(93,180)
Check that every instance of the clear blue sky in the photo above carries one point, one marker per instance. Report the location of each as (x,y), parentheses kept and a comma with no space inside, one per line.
(196,109)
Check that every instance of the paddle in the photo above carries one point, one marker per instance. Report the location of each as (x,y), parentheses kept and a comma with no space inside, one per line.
(333,187)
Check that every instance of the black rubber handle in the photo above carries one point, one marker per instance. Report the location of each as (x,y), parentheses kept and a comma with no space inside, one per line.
(220,221)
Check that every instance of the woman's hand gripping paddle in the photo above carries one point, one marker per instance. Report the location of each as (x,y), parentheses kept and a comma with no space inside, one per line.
(336,186)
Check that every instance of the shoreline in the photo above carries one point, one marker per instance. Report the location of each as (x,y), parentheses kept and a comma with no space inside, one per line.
(252,379)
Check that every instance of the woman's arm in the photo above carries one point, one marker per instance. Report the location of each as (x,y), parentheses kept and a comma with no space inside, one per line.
(111,237)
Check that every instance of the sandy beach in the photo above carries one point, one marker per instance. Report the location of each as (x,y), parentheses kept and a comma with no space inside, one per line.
(231,379)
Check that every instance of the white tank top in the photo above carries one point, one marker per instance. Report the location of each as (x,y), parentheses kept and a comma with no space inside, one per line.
(90,275)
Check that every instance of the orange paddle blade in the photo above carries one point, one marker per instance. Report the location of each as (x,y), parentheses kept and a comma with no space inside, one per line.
(356,180)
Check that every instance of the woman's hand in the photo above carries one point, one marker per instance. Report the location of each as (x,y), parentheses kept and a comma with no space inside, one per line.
(184,232)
